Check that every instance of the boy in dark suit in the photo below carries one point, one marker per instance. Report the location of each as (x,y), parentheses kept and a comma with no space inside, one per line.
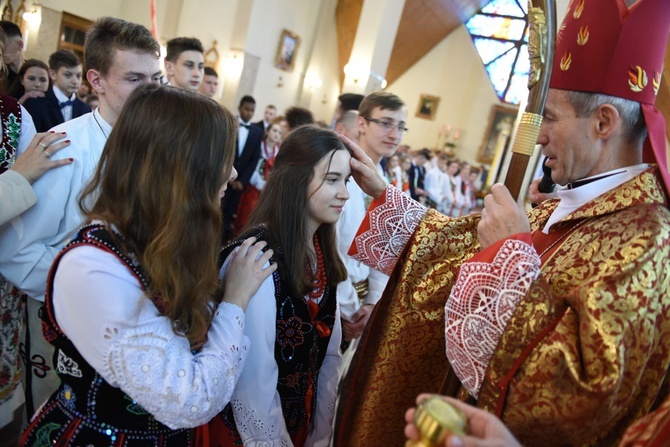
(249,138)
(60,102)
(417,174)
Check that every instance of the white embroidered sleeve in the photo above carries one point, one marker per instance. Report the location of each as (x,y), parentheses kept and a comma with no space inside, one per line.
(432,185)
(376,284)
(480,305)
(321,430)
(134,348)
(391,225)
(255,402)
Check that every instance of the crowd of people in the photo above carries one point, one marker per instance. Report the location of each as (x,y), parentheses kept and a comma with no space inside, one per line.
(176,274)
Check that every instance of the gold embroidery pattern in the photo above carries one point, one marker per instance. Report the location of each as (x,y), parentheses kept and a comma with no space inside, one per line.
(406,329)
(583,36)
(637,79)
(607,289)
(566,60)
(656,82)
(579,9)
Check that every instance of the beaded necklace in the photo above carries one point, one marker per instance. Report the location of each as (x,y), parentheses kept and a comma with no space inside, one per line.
(318,288)
(318,281)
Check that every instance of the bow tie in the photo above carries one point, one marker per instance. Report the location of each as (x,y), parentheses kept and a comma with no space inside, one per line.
(246,126)
(65,103)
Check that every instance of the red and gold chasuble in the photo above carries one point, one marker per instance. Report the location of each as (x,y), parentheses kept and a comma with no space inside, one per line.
(582,355)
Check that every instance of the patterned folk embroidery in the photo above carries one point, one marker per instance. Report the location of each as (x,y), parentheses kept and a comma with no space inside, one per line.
(68,397)
(43,436)
(66,365)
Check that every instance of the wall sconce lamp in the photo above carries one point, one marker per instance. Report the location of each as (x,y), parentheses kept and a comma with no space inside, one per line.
(355,72)
(233,64)
(313,81)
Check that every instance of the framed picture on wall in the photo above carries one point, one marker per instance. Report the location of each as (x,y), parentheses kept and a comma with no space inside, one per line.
(498,133)
(427,107)
(287,51)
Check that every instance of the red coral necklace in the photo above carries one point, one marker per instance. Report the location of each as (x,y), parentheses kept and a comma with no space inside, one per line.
(318,288)
(318,281)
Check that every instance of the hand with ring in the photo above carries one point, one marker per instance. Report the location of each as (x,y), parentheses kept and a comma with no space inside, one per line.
(36,160)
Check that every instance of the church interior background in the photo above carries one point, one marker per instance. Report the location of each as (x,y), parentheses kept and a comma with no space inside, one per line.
(460,65)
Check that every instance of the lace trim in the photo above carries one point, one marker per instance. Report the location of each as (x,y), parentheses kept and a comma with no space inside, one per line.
(480,305)
(158,371)
(391,226)
(253,430)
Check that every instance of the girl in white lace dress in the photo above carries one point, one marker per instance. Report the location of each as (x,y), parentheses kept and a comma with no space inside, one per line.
(286,393)
(143,350)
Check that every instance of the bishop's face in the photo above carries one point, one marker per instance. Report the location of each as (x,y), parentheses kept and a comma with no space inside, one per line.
(568,141)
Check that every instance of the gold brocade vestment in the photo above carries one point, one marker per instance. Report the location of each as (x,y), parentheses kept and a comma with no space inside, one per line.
(584,354)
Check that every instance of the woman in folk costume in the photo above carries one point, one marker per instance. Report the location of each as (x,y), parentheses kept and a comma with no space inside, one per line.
(144,351)
(17,136)
(556,320)
(269,149)
(286,394)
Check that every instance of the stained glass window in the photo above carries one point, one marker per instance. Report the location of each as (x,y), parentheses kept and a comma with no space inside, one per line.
(500,35)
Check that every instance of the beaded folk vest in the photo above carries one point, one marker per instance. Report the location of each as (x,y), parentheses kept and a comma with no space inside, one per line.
(86,410)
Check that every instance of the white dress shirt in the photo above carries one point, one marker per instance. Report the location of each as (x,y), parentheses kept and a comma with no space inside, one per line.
(242,135)
(351,218)
(573,199)
(434,184)
(31,241)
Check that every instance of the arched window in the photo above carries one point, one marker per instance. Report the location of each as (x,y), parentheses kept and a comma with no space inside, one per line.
(500,35)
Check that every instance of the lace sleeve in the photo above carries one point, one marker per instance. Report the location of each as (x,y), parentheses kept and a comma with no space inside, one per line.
(256,403)
(391,224)
(155,367)
(481,303)
(134,348)
(321,431)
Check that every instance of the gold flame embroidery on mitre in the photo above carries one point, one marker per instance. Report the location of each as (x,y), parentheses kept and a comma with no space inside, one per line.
(583,36)
(656,82)
(566,60)
(637,79)
(578,10)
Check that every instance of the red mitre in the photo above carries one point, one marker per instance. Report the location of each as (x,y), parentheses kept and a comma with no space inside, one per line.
(605,47)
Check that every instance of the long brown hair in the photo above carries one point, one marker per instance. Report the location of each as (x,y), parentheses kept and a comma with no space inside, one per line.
(283,208)
(158,183)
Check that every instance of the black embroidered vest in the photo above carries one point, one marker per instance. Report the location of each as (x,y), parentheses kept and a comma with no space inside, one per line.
(299,351)
(86,410)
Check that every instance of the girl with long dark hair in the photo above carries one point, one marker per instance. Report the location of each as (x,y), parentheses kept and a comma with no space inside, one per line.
(286,394)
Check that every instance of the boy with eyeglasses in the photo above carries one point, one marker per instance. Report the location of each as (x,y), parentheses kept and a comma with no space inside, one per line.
(381,125)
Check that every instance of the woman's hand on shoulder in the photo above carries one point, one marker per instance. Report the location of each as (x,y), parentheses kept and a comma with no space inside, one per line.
(36,160)
(246,272)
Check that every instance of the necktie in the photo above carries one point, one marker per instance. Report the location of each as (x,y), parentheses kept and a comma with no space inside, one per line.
(246,126)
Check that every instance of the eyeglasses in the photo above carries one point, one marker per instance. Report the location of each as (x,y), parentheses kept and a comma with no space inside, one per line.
(388,125)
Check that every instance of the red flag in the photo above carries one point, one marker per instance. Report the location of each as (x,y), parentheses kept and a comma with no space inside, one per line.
(154,28)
